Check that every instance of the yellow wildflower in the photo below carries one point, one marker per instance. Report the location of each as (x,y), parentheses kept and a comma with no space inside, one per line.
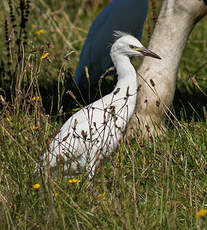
(40,32)
(36,186)
(72,181)
(44,56)
(8,119)
(56,194)
(35,128)
(36,98)
(201,213)
(101,195)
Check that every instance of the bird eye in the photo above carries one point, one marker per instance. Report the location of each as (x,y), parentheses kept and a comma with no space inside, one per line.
(132,47)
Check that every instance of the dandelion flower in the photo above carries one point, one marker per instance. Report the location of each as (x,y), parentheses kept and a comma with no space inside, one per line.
(101,195)
(56,194)
(40,32)
(44,56)
(36,186)
(35,128)
(201,213)
(36,98)
(8,119)
(73,181)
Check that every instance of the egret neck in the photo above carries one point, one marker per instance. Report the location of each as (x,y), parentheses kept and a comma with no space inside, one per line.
(127,78)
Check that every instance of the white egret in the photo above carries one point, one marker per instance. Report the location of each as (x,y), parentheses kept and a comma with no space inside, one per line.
(120,15)
(94,131)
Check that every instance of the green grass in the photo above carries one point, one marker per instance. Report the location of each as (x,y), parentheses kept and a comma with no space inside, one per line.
(145,185)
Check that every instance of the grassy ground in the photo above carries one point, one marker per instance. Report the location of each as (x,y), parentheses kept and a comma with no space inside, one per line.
(145,185)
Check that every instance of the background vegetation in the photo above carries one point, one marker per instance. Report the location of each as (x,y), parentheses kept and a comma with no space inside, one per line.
(145,185)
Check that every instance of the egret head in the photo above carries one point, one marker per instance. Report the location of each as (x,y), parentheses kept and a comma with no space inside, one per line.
(128,45)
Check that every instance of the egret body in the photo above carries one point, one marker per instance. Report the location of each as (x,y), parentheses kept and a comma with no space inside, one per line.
(94,131)
(120,15)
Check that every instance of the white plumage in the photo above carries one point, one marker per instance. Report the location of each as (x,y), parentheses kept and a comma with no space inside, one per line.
(94,131)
